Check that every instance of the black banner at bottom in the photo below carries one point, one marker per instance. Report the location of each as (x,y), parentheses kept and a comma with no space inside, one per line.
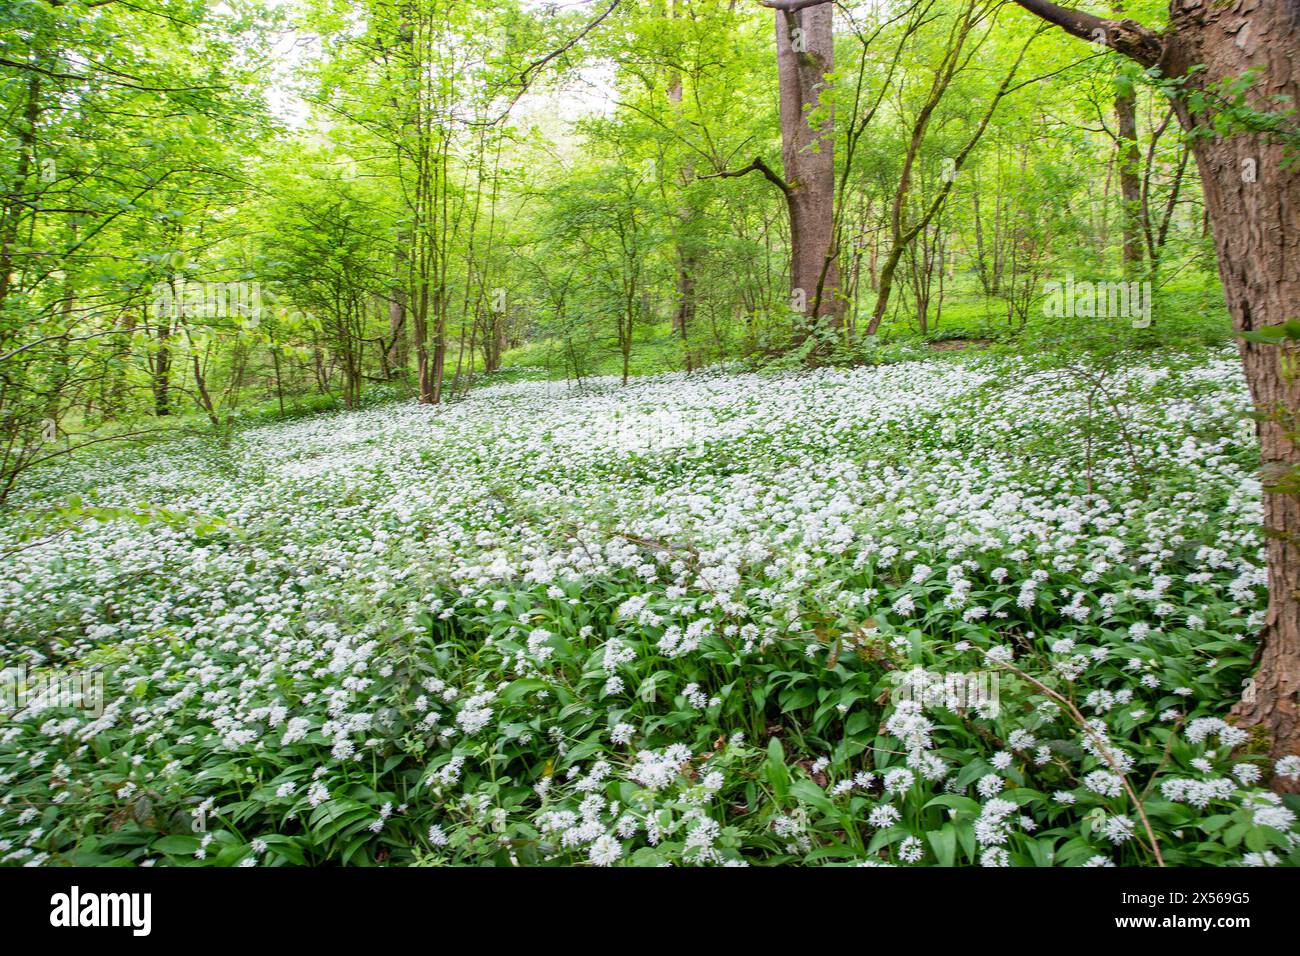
(150,906)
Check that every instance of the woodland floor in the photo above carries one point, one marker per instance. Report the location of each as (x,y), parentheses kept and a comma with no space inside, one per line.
(696,619)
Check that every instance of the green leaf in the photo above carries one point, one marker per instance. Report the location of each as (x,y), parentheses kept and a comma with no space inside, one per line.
(176,845)
(805,791)
(523,686)
(775,770)
(954,801)
(944,843)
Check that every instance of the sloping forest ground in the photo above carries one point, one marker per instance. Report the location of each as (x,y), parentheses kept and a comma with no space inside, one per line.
(954,609)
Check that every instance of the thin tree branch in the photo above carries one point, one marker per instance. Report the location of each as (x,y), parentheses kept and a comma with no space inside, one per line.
(1123,36)
(756,166)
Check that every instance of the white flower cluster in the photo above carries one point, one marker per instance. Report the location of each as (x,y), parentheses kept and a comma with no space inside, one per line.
(573,591)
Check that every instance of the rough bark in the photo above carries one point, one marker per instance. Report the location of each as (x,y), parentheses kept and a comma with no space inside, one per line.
(1130,185)
(804,55)
(684,314)
(1254,205)
(160,366)
(1252,200)
(12,212)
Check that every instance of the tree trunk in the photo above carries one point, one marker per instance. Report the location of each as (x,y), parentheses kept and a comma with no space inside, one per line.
(118,376)
(12,212)
(201,383)
(162,369)
(439,364)
(804,55)
(279,382)
(424,374)
(684,314)
(1252,200)
(1130,185)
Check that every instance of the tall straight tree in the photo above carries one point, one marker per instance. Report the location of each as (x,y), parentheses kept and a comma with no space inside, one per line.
(1231,71)
(805,55)
(1130,184)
